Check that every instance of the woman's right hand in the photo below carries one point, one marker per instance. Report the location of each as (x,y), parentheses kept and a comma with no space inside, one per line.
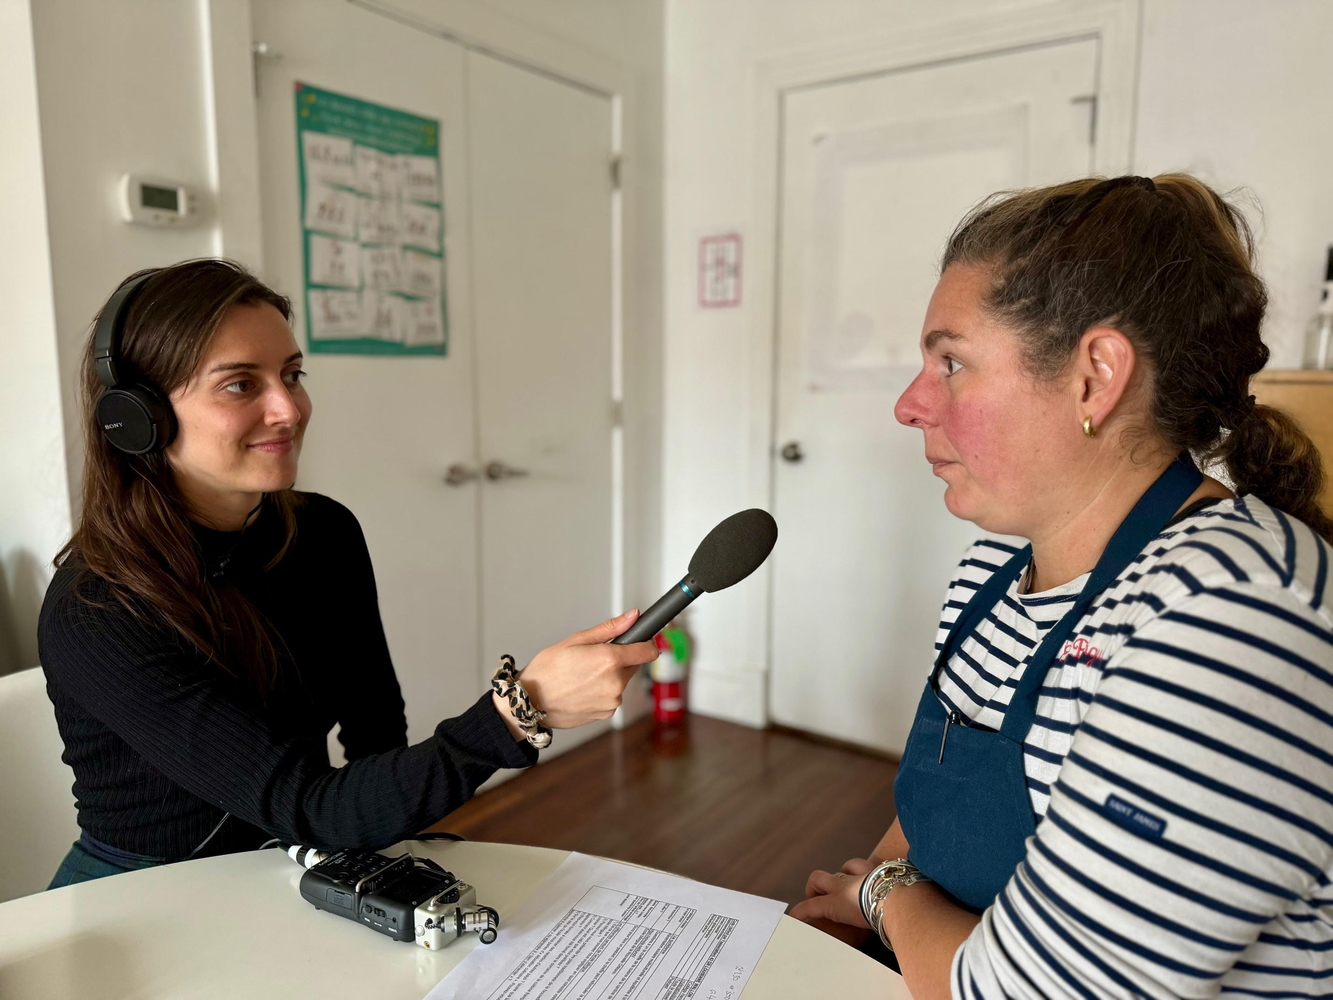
(833,902)
(847,926)
(582,678)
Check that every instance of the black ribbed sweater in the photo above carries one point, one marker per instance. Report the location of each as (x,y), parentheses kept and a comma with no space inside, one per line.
(162,742)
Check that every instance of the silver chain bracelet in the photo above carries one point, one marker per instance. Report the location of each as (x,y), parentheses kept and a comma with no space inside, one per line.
(885,876)
(506,684)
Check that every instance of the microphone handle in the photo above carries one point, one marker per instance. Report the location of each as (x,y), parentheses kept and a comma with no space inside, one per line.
(659,616)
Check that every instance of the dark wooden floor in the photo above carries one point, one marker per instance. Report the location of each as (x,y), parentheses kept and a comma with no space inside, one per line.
(754,810)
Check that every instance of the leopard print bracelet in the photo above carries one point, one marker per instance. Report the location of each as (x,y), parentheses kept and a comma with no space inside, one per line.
(506,684)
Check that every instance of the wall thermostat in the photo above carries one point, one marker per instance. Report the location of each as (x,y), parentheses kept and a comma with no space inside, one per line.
(151,201)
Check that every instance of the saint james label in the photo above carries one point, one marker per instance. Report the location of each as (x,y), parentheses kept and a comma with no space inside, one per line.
(1130,815)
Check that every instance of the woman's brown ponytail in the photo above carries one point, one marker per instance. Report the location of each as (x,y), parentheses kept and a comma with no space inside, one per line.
(1170,263)
(1270,456)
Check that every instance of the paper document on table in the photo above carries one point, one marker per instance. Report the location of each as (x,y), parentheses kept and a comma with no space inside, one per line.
(598,930)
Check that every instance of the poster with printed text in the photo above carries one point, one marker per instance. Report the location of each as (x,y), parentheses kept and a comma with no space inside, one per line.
(372,226)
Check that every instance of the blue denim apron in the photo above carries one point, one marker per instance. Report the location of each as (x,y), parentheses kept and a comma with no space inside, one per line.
(961,791)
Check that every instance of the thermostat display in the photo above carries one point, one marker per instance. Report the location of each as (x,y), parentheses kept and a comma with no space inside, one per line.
(151,201)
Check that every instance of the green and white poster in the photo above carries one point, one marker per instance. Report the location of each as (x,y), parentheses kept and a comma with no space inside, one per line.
(372,226)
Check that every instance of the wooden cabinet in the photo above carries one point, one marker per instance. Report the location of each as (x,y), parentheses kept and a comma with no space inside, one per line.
(1307,396)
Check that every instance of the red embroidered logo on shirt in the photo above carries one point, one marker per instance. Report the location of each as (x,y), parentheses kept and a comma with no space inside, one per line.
(1080,650)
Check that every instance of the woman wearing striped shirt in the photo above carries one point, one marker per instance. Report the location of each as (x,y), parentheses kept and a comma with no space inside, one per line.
(1120,778)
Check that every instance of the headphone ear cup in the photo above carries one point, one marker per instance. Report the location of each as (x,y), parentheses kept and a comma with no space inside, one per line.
(164,417)
(136,419)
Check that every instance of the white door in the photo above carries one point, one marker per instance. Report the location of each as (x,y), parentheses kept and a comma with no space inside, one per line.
(528,275)
(876,173)
(541,239)
(385,429)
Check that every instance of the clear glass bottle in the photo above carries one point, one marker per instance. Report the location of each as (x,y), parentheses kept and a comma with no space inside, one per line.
(1319,333)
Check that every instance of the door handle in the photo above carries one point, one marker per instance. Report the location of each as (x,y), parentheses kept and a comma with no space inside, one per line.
(458,474)
(498,470)
(792,452)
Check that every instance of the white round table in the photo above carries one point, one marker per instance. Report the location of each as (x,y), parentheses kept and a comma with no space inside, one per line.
(236,926)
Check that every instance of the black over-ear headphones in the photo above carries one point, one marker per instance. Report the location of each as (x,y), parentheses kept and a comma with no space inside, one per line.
(134,414)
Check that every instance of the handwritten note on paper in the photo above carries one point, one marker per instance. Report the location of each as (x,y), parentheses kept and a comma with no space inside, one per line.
(378,220)
(385,316)
(426,325)
(334,315)
(328,159)
(598,930)
(419,177)
(376,172)
(334,261)
(420,226)
(382,268)
(331,210)
(421,274)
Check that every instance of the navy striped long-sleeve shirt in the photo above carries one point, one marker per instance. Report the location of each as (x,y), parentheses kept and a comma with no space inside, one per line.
(1180,767)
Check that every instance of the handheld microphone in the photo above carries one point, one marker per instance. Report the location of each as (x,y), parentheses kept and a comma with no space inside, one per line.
(727,555)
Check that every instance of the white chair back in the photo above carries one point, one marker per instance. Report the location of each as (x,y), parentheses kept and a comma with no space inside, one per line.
(37,817)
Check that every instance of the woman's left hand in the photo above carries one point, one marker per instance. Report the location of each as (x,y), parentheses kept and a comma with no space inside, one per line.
(836,896)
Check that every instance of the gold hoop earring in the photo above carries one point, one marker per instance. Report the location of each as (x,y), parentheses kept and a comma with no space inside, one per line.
(1088,429)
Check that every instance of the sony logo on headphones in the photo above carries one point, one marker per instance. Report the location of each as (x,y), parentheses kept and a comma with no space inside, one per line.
(112,427)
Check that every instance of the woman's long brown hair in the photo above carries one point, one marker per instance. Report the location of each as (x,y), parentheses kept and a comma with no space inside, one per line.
(135,527)
(1170,263)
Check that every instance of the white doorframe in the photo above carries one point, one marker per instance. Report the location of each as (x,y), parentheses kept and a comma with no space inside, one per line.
(235,145)
(233,129)
(1114,23)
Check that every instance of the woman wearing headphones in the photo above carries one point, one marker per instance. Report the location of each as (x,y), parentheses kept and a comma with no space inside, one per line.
(208,625)
(1119,781)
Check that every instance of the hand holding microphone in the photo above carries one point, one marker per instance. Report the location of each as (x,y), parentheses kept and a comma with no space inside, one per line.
(582,679)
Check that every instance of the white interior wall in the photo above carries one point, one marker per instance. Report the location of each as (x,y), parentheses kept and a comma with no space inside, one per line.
(34,498)
(1230,89)
(1237,93)
(122,89)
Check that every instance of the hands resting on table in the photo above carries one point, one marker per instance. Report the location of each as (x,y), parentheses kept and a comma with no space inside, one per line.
(925,926)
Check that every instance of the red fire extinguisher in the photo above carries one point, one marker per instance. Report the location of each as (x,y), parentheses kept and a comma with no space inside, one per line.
(670,673)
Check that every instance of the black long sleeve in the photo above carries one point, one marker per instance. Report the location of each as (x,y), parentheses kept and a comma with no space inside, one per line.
(369,709)
(162,742)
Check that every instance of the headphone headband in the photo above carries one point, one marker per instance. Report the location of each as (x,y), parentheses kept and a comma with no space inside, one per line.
(110,327)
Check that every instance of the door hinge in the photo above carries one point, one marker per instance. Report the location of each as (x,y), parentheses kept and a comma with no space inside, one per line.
(1091,101)
(615,173)
(617,413)
(258,52)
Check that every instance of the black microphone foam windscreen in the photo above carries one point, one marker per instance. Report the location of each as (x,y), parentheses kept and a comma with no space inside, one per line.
(734,549)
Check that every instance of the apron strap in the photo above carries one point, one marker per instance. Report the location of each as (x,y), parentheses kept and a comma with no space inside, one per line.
(1145,522)
(986,597)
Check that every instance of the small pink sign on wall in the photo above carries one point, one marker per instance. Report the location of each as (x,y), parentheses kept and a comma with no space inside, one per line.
(720,271)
